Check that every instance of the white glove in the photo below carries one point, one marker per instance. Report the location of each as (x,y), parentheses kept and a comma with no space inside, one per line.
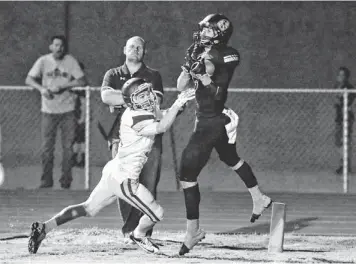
(184,97)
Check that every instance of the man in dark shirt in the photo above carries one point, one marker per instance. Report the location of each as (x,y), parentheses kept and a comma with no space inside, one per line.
(111,94)
(342,82)
(210,64)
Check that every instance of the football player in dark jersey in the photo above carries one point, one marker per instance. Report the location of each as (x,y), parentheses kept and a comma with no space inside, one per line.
(210,65)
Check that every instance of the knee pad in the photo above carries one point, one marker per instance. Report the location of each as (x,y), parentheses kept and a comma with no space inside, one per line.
(189,158)
(188,176)
(229,156)
(190,167)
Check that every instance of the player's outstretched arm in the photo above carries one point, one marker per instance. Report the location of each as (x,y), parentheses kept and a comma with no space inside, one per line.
(167,120)
(184,81)
(111,97)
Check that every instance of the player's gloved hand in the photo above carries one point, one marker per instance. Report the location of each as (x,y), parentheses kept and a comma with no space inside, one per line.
(198,67)
(204,78)
(199,72)
(184,97)
(188,61)
(192,53)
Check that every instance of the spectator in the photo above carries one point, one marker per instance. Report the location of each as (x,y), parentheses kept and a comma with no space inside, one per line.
(78,158)
(134,66)
(58,72)
(342,82)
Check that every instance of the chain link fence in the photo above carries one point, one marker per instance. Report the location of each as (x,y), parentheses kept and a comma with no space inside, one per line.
(288,139)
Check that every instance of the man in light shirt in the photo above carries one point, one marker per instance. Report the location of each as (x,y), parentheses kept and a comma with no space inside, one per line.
(58,73)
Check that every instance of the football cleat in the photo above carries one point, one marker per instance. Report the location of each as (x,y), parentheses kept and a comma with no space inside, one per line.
(259,205)
(145,243)
(37,235)
(191,240)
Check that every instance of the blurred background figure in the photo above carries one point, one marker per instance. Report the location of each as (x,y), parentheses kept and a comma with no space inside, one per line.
(114,79)
(78,158)
(58,73)
(342,82)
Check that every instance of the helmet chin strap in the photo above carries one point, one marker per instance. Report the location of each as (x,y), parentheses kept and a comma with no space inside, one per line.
(209,41)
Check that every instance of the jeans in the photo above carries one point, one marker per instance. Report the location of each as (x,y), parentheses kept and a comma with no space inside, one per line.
(50,124)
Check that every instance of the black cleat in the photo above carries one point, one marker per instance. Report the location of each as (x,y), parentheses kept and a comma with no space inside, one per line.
(260,206)
(191,240)
(45,184)
(183,250)
(37,235)
(65,185)
(254,217)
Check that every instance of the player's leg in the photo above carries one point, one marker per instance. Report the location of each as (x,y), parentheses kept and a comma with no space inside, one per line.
(68,124)
(149,177)
(350,142)
(124,207)
(81,145)
(137,195)
(100,197)
(194,157)
(228,154)
(339,143)
(49,125)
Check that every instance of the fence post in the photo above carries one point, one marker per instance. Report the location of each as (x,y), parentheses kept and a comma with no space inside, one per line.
(345,141)
(87,137)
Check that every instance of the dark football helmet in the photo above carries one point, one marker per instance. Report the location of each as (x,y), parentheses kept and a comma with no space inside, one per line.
(220,25)
(138,95)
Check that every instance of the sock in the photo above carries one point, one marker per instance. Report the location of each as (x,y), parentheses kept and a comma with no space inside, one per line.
(67,214)
(192,226)
(245,172)
(255,193)
(192,200)
(50,224)
(143,227)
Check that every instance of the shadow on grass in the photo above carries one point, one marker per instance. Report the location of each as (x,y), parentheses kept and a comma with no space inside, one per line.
(290,226)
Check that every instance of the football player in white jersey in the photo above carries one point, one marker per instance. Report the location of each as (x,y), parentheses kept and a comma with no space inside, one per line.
(141,121)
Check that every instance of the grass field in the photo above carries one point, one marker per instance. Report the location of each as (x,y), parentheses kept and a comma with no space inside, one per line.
(95,245)
(320,228)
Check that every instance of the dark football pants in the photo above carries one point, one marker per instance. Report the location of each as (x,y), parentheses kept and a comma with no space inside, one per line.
(209,133)
(149,177)
(49,126)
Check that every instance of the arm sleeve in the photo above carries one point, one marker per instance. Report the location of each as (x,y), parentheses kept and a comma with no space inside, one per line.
(37,69)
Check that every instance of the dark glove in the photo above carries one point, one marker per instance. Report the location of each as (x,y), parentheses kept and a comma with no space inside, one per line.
(192,53)
(198,67)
